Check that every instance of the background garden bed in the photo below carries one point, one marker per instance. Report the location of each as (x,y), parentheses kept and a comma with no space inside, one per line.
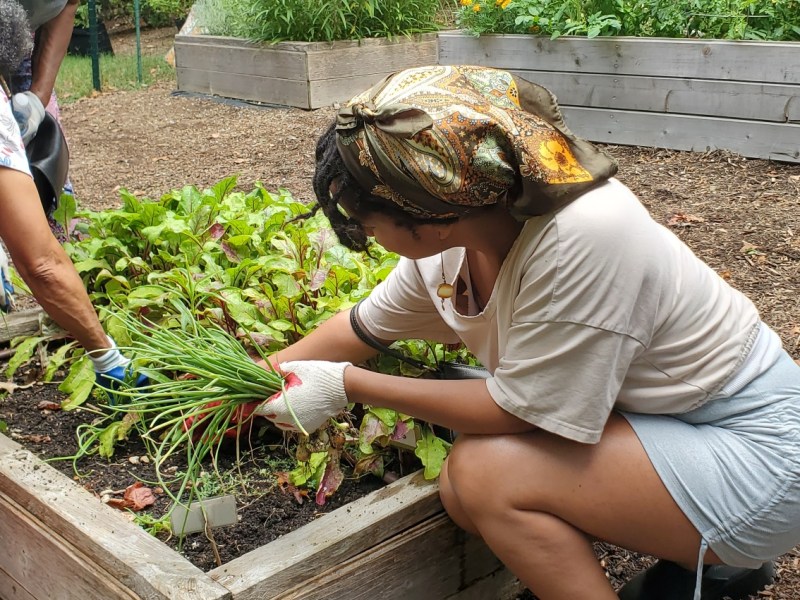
(302,74)
(740,215)
(683,94)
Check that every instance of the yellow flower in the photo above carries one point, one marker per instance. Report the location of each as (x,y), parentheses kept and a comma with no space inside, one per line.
(504,4)
(476,7)
(466,2)
(556,156)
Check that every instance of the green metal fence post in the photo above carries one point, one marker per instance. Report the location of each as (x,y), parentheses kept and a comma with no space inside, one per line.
(93,44)
(136,19)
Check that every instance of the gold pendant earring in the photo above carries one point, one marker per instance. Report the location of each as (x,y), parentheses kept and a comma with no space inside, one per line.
(444,289)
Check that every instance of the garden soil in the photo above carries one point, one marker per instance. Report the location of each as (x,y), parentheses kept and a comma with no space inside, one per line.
(740,215)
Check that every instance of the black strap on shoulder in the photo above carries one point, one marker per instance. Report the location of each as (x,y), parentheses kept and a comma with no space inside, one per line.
(372,342)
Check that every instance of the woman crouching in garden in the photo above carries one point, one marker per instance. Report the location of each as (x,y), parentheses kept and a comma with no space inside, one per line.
(635,397)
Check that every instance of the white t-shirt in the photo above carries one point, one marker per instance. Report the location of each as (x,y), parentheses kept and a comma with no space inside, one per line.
(596,307)
(12,152)
(42,11)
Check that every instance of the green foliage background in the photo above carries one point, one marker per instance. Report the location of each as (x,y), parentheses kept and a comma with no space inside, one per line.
(318,20)
(256,264)
(719,19)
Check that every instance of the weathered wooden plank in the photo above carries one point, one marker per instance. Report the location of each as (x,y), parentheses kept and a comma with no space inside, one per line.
(302,74)
(243,60)
(48,565)
(371,43)
(110,542)
(768,62)
(456,561)
(736,100)
(329,91)
(681,132)
(233,85)
(341,534)
(370,59)
(11,589)
(32,321)
(501,584)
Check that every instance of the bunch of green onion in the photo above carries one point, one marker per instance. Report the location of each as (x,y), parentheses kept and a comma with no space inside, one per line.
(200,378)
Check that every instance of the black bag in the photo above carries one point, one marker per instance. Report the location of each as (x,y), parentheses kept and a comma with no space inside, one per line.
(444,370)
(48,157)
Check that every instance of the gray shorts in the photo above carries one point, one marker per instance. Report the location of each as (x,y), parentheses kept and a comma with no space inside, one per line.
(733,466)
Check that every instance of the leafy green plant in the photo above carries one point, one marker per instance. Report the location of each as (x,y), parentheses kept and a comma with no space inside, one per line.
(317,20)
(544,17)
(82,16)
(723,19)
(163,12)
(259,272)
(153,12)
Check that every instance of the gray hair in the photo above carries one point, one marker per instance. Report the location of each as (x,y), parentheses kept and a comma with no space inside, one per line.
(15,36)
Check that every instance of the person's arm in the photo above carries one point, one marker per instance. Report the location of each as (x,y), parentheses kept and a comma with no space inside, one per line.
(461,405)
(333,340)
(465,406)
(42,262)
(51,47)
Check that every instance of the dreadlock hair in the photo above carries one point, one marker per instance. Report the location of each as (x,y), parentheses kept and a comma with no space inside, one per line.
(329,168)
(15,36)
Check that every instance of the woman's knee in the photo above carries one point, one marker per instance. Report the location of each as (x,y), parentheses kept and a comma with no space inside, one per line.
(452,504)
(479,463)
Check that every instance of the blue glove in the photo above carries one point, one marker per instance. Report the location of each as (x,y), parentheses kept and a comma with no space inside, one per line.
(29,113)
(113,370)
(6,289)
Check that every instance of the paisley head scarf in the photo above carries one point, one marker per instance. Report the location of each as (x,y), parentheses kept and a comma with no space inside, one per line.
(438,141)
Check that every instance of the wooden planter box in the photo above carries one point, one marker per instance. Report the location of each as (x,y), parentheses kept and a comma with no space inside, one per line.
(396,544)
(670,93)
(301,74)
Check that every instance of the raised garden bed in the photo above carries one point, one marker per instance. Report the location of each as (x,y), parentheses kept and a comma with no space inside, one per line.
(396,536)
(397,539)
(682,94)
(300,74)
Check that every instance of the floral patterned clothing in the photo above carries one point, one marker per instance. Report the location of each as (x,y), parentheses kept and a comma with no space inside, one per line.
(12,152)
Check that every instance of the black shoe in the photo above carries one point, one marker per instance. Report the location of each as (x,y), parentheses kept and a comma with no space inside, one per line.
(667,581)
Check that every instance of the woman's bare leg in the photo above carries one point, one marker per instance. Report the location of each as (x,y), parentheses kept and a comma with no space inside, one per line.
(538,500)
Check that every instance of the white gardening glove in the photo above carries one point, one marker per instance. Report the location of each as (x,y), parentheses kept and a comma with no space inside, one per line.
(29,113)
(6,289)
(315,391)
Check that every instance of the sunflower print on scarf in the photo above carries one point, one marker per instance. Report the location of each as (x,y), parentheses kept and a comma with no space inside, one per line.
(437,141)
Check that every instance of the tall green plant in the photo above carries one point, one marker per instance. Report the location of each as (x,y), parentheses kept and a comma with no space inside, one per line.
(722,19)
(317,20)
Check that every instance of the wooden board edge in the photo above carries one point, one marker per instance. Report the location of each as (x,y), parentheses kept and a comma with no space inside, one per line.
(430,561)
(39,546)
(31,321)
(333,537)
(121,548)
(753,139)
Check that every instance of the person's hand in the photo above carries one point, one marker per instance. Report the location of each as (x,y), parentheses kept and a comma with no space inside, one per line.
(6,289)
(314,389)
(29,113)
(113,369)
(240,423)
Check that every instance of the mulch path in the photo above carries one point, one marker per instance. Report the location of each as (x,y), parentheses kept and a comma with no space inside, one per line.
(740,215)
